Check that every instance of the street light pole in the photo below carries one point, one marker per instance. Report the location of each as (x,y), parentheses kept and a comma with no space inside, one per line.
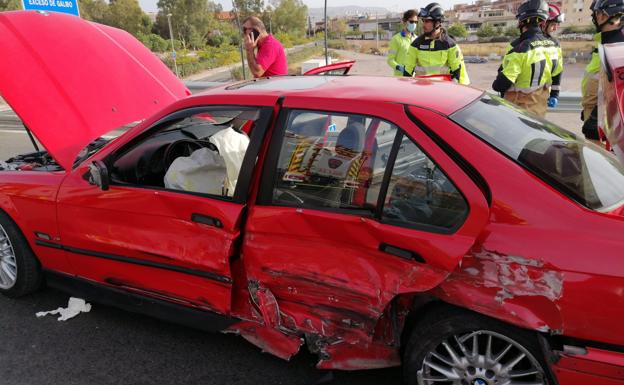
(325,16)
(240,46)
(173,52)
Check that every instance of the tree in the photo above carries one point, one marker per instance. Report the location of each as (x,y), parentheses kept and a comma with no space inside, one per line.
(127,15)
(486,30)
(458,30)
(290,16)
(93,10)
(249,8)
(10,5)
(191,20)
(512,32)
(337,28)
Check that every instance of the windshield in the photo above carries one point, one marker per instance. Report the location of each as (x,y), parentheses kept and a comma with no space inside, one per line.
(581,170)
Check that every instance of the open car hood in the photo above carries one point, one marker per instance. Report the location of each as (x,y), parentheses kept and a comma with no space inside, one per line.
(71,81)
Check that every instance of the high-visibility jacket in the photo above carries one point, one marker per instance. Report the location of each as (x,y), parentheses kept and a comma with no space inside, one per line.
(593,67)
(556,79)
(398,53)
(530,64)
(438,56)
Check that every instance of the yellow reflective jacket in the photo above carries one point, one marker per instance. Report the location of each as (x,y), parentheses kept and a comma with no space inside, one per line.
(398,53)
(556,79)
(530,64)
(438,56)
(593,67)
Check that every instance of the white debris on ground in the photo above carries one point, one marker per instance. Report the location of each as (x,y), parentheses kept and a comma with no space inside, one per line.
(74,307)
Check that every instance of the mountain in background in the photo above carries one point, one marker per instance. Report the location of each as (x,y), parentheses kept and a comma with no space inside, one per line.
(347,10)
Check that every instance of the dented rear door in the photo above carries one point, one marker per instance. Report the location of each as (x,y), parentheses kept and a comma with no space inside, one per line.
(334,249)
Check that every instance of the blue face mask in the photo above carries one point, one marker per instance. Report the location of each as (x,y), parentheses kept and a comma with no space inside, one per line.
(411,27)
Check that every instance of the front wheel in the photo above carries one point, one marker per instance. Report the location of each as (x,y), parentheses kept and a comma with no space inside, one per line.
(20,272)
(454,346)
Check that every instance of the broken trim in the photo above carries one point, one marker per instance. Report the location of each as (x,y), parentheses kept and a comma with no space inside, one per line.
(134,261)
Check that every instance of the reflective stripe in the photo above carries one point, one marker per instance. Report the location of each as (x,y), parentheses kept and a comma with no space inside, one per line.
(432,69)
(554,88)
(538,69)
(529,89)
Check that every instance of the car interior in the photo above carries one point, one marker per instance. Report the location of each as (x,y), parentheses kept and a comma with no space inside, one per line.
(180,144)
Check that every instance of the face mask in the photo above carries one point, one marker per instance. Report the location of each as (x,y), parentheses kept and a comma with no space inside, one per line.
(411,27)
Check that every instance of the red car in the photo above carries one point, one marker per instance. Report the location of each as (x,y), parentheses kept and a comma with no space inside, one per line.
(378,221)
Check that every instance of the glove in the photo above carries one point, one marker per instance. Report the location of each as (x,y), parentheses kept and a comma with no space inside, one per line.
(400,68)
(552,102)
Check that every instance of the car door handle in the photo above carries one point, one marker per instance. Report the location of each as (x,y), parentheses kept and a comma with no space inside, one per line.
(401,253)
(206,220)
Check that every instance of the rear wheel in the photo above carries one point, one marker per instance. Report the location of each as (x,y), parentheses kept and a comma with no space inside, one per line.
(454,346)
(20,272)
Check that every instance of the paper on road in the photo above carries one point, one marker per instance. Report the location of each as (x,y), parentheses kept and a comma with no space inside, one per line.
(74,307)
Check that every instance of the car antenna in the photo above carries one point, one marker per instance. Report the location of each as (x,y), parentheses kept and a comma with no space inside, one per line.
(32,138)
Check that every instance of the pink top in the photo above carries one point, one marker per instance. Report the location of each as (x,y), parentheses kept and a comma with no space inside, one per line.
(271,57)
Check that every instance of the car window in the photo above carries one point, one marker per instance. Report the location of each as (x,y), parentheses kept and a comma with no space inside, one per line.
(201,153)
(420,195)
(332,160)
(584,172)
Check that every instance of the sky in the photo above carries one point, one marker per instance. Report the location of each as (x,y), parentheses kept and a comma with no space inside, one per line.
(392,5)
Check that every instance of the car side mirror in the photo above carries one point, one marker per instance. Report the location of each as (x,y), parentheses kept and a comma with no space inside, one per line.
(98,175)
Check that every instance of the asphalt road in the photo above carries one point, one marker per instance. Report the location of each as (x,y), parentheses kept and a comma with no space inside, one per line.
(110,346)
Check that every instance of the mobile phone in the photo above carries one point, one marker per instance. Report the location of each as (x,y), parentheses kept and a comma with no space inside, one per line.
(255,33)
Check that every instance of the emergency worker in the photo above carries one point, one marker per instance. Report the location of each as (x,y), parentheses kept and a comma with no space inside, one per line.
(435,52)
(526,74)
(555,17)
(398,54)
(606,16)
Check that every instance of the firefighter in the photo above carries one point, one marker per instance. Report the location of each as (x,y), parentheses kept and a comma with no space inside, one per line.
(555,17)
(606,16)
(400,43)
(435,52)
(526,74)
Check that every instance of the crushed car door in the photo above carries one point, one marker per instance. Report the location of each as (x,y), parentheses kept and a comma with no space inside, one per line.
(354,209)
(168,224)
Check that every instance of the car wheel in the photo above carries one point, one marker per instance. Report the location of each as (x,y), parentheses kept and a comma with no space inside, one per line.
(20,272)
(455,346)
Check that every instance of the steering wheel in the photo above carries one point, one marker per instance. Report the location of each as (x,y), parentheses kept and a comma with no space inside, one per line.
(182,147)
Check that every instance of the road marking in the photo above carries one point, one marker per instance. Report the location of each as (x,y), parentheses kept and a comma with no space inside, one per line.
(16,131)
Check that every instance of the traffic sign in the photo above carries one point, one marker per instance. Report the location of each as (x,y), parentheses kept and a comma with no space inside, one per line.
(64,6)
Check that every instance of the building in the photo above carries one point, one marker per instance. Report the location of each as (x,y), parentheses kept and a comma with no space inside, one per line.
(366,27)
(577,13)
(502,13)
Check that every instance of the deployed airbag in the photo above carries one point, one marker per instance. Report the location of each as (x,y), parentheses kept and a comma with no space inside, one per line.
(204,172)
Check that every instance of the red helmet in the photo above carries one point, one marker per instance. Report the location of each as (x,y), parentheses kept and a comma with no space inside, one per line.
(554,14)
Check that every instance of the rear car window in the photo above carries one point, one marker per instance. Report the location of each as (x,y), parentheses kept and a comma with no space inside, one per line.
(583,171)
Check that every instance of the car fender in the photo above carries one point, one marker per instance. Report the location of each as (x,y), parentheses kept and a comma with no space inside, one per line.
(512,289)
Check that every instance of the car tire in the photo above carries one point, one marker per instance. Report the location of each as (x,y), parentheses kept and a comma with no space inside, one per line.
(434,351)
(21,271)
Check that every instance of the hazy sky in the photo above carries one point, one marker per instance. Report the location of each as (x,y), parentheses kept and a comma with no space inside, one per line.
(393,5)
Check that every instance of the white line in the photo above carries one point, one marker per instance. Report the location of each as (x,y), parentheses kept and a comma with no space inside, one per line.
(13,132)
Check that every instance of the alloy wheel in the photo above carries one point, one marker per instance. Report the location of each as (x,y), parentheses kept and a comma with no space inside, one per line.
(8,264)
(480,358)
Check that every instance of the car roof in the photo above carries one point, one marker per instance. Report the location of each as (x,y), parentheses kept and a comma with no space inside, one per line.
(442,96)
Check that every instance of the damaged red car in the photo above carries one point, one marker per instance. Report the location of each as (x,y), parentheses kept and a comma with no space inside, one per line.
(375,221)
